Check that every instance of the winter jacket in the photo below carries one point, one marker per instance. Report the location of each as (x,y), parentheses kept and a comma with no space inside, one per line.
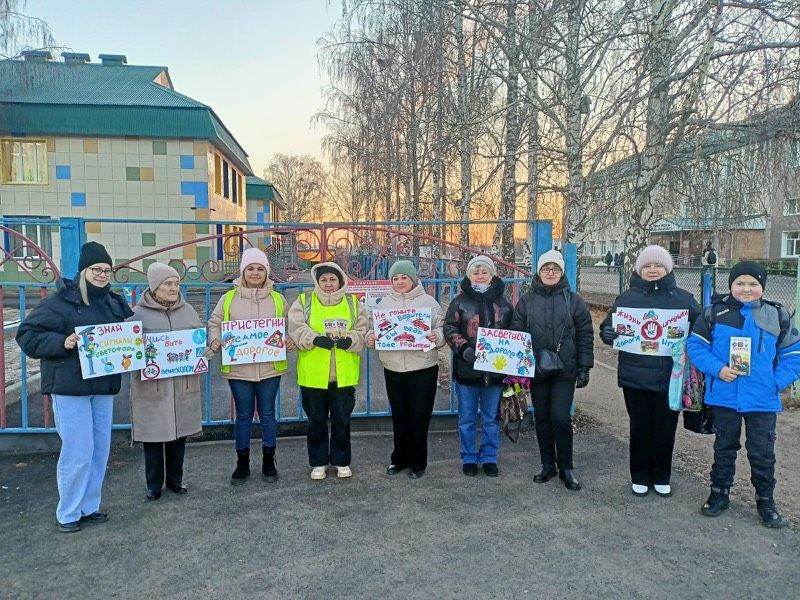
(248,303)
(774,361)
(403,361)
(163,410)
(640,371)
(542,312)
(43,332)
(468,311)
(303,336)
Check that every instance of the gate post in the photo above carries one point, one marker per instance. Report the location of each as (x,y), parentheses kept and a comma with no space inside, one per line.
(571,265)
(542,232)
(72,234)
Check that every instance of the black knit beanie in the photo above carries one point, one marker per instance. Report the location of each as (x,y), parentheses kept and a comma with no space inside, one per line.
(326,269)
(748,268)
(93,253)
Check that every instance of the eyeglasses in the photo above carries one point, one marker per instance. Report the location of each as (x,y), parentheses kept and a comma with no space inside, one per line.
(97,271)
(551,270)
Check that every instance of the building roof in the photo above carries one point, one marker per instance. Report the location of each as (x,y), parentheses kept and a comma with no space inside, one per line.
(104,100)
(260,189)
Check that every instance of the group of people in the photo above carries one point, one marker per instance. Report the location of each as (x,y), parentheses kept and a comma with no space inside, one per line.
(613,260)
(164,412)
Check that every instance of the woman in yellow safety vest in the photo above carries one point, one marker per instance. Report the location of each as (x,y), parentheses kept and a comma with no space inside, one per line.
(329,327)
(251,298)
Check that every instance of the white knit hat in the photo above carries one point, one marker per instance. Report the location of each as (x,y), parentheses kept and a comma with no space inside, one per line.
(253,256)
(482,261)
(653,254)
(551,256)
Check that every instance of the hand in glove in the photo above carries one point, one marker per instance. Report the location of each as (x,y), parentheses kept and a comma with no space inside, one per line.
(323,341)
(468,354)
(344,343)
(608,335)
(583,378)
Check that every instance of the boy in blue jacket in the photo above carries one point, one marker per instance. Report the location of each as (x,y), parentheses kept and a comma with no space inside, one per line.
(748,387)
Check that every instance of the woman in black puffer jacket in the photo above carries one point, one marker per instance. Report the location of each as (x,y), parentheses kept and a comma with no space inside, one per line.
(558,320)
(480,304)
(645,379)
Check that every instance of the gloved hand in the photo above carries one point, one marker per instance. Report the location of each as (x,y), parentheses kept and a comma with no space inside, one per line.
(344,343)
(608,335)
(583,378)
(468,354)
(323,341)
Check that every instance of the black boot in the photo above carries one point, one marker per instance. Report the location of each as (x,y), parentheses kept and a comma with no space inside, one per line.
(570,479)
(546,474)
(268,469)
(718,501)
(769,513)
(242,471)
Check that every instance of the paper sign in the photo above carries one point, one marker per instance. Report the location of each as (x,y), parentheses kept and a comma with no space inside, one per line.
(740,355)
(402,329)
(649,330)
(335,328)
(110,348)
(371,292)
(504,351)
(174,353)
(253,341)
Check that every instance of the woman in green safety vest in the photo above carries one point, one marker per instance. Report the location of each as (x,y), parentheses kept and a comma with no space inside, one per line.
(251,298)
(329,328)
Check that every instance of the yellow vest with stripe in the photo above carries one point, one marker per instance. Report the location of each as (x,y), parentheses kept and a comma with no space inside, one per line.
(314,366)
(280,365)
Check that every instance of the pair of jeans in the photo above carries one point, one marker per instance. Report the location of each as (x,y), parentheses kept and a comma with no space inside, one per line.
(552,403)
(245,396)
(84,425)
(411,396)
(652,426)
(470,399)
(319,404)
(161,458)
(759,442)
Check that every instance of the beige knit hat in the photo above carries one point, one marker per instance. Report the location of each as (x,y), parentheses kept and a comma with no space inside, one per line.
(653,254)
(158,273)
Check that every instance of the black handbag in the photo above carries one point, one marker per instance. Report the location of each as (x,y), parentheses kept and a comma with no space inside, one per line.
(548,362)
(699,421)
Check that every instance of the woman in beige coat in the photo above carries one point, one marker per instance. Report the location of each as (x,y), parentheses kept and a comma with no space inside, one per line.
(164,411)
(411,375)
(251,298)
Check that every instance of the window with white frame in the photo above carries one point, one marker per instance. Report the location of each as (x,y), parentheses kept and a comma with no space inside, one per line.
(794,153)
(791,243)
(35,228)
(23,161)
(590,249)
(791,206)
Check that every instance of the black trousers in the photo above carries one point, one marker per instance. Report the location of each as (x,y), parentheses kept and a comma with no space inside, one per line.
(653,426)
(552,404)
(759,442)
(162,458)
(336,403)
(411,396)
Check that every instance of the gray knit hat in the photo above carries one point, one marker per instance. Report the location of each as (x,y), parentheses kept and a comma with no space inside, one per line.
(404,267)
(653,254)
(158,273)
(482,261)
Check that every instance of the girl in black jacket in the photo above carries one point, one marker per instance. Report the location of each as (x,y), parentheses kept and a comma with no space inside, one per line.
(83,408)
(645,379)
(558,320)
(480,304)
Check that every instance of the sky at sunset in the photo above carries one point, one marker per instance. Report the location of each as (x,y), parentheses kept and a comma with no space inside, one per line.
(255,64)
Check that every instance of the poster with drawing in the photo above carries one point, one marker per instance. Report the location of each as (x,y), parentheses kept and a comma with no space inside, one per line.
(174,353)
(740,355)
(402,329)
(253,341)
(110,348)
(649,330)
(504,351)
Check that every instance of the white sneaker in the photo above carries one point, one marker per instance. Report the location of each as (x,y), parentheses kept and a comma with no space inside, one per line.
(318,473)
(663,490)
(639,490)
(343,472)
